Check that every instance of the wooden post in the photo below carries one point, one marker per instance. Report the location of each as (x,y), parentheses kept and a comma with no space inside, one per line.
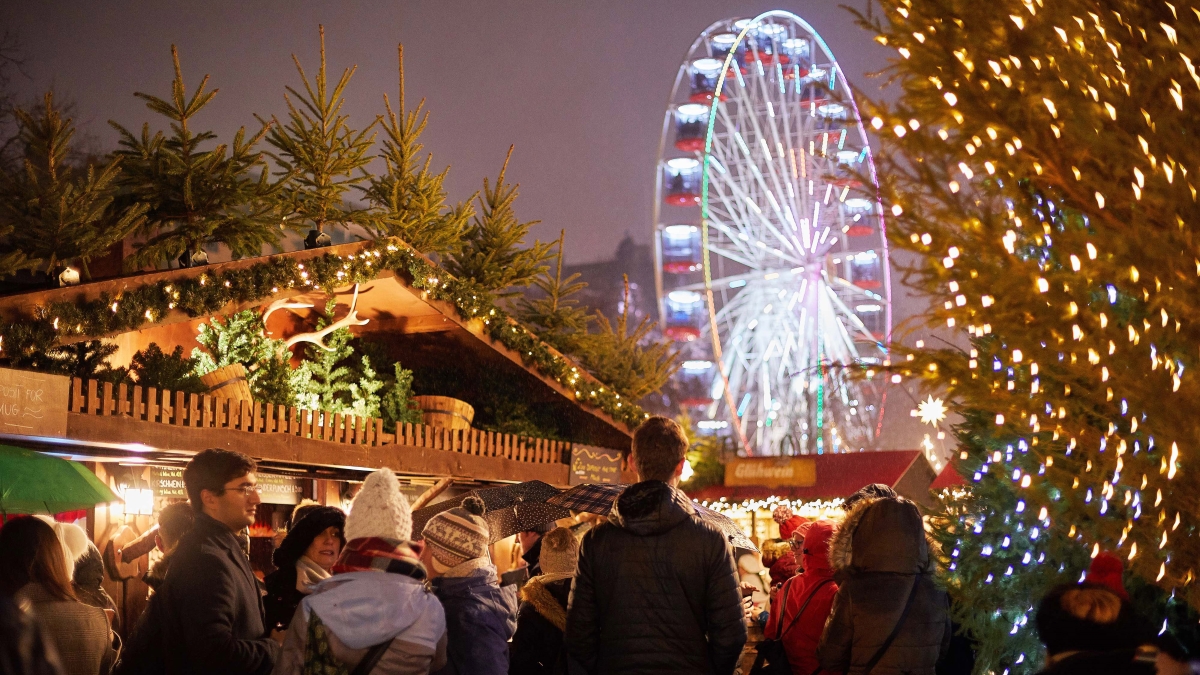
(433,491)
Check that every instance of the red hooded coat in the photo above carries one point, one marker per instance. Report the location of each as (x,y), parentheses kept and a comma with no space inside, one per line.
(800,641)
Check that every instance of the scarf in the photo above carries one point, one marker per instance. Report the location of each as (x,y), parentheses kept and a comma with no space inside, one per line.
(463,569)
(308,573)
(382,555)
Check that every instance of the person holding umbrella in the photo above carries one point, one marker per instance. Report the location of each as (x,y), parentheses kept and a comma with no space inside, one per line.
(657,587)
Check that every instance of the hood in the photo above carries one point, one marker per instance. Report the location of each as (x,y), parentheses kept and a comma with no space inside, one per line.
(366,608)
(814,554)
(548,598)
(651,507)
(882,535)
(471,584)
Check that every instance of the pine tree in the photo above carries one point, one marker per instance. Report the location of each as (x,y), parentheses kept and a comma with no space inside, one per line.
(493,254)
(632,363)
(704,457)
(410,199)
(1037,164)
(320,155)
(242,339)
(88,359)
(196,197)
(337,380)
(152,367)
(555,316)
(59,214)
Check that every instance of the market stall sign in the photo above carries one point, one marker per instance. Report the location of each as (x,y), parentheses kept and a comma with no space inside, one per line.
(772,472)
(33,404)
(167,482)
(279,489)
(593,465)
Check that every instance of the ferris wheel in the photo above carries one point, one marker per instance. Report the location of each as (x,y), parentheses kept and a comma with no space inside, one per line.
(772,261)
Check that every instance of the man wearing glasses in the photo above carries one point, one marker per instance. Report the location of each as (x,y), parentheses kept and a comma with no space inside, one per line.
(212,610)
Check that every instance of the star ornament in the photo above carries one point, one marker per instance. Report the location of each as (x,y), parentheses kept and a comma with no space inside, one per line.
(931,411)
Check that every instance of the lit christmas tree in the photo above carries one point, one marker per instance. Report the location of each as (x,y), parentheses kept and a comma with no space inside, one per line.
(1038,163)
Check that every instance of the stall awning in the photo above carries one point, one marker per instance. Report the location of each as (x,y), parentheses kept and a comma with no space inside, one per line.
(839,475)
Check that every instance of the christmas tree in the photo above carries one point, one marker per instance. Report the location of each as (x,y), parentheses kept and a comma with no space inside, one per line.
(1037,163)
(554,316)
(58,214)
(410,198)
(493,255)
(633,363)
(320,155)
(197,197)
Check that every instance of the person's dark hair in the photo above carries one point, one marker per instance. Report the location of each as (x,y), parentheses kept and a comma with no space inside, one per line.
(1086,617)
(872,491)
(175,520)
(659,444)
(30,552)
(210,470)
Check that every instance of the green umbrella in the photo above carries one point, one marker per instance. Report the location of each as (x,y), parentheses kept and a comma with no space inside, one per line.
(32,482)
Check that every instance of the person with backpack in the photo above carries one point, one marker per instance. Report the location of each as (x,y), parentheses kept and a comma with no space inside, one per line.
(800,609)
(889,617)
(375,614)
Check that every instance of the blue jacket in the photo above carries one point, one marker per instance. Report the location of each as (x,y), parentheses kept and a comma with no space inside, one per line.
(481,617)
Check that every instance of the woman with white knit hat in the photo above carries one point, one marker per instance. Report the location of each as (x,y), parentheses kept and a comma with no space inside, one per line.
(481,616)
(375,614)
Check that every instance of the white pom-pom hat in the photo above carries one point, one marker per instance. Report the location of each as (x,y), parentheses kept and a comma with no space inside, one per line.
(380,509)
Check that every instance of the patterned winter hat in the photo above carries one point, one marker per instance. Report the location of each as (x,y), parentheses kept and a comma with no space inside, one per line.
(458,534)
(560,552)
(379,510)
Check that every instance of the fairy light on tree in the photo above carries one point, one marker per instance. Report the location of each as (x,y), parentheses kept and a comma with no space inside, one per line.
(1047,186)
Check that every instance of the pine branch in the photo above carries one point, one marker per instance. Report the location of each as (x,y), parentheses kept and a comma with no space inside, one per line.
(556,317)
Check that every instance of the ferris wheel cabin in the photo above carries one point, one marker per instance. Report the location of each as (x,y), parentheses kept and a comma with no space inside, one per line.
(685,312)
(681,181)
(681,249)
(691,124)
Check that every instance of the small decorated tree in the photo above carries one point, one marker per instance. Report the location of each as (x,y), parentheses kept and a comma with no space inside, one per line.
(196,196)
(58,214)
(320,155)
(493,255)
(410,199)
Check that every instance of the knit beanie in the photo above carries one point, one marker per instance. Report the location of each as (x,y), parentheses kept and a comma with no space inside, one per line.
(457,535)
(1086,617)
(560,552)
(379,510)
(1107,569)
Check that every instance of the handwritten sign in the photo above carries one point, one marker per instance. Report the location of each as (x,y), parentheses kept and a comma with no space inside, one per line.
(593,465)
(772,471)
(279,489)
(33,404)
(167,482)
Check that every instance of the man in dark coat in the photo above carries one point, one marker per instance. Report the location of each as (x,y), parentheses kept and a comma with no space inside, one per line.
(212,612)
(883,563)
(657,588)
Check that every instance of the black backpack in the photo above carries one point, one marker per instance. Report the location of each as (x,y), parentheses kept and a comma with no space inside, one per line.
(772,657)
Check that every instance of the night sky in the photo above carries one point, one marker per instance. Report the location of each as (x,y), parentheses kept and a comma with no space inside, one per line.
(579,87)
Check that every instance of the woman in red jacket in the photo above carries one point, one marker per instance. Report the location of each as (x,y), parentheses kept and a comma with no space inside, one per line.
(802,632)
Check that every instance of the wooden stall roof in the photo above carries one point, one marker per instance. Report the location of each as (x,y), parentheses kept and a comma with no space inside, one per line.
(429,330)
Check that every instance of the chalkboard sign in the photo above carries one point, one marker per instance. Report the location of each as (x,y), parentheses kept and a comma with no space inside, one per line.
(33,404)
(167,482)
(594,465)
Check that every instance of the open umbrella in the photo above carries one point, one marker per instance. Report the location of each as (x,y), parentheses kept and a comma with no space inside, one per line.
(32,482)
(599,498)
(510,508)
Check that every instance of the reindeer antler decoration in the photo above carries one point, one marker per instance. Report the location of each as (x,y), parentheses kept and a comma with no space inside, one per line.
(318,337)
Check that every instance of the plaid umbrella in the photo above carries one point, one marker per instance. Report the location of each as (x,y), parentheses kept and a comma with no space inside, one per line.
(510,508)
(589,497)
(599,498)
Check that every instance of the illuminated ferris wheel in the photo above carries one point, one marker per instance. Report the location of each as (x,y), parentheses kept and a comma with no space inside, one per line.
(772,259)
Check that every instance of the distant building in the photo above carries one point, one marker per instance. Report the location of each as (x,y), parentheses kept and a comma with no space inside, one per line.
(606,281)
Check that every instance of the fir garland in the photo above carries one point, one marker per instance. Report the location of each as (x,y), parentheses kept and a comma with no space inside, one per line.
(207,293)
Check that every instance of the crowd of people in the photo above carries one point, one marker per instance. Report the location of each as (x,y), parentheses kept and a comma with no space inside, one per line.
(654,589)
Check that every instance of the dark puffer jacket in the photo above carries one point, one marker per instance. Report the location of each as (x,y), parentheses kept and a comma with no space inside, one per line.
(656,591)
(879,553)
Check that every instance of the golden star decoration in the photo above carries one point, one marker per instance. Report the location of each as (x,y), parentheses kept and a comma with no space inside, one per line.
(931,411)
